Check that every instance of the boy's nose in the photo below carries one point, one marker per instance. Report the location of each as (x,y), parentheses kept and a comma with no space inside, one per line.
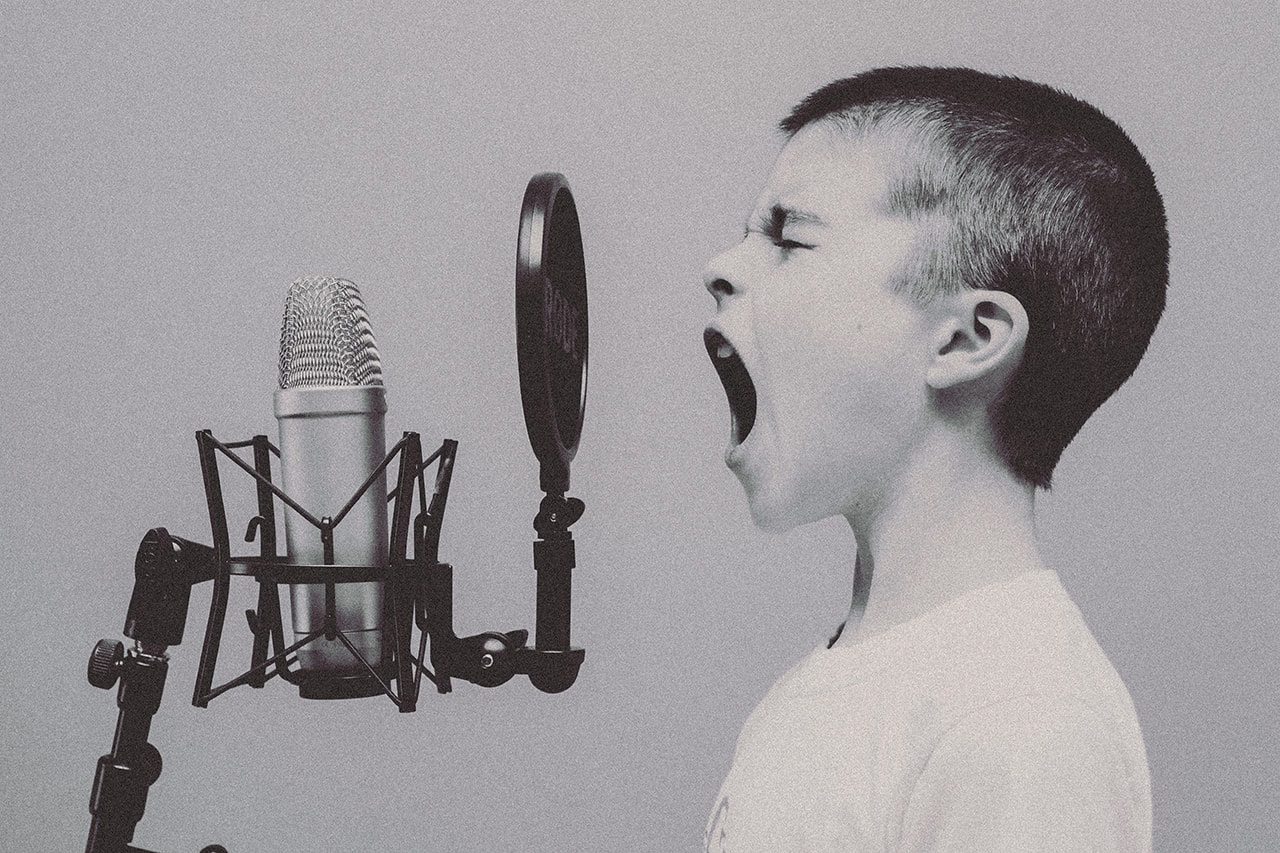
(720,287)
(720,279)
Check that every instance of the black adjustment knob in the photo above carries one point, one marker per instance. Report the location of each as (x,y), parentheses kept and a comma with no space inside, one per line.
(495,659)
(104,664)
(145,758)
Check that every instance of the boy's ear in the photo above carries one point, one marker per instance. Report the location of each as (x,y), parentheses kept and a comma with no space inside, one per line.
(980,337)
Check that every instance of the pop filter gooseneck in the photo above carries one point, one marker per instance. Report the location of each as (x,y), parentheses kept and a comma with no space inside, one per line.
(551,326)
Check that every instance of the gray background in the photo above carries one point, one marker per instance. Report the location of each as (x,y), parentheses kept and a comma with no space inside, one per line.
(168,168)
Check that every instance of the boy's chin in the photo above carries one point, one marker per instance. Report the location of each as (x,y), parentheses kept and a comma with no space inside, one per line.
(784,496)
(777,515)
(781,499)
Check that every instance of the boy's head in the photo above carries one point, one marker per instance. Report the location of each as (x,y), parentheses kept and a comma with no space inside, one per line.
(998,186)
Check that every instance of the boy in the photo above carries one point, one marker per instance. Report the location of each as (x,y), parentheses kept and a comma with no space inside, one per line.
(946,273)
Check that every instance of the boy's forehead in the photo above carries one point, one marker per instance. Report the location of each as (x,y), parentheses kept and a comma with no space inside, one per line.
(823,177)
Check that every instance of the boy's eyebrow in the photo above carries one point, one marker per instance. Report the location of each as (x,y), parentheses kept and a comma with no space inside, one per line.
(780,216)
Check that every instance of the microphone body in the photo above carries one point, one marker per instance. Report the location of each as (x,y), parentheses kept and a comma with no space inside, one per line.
(331,440)
(331,410)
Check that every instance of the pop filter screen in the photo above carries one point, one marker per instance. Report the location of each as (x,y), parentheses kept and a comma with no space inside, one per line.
(551,325)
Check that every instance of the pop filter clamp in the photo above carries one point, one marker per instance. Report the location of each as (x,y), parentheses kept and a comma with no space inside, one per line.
(551,332)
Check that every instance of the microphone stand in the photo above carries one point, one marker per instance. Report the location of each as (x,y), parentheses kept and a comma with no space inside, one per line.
(165,570)
(419,591)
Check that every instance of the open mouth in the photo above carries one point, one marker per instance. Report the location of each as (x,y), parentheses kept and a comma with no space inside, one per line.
(738,386)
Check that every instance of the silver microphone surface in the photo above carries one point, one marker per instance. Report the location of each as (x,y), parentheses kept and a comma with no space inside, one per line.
(331,409)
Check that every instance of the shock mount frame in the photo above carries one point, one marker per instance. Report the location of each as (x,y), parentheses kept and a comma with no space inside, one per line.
(418,593)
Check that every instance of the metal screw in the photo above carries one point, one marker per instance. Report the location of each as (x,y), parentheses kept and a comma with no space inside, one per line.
(486,661)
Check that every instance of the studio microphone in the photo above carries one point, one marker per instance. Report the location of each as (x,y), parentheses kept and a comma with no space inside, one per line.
(347,536)
(331,407)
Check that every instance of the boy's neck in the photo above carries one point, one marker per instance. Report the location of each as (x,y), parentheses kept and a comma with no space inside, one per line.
(953,524)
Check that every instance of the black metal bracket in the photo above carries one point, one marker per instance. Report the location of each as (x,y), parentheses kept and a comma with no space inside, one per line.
(418,593)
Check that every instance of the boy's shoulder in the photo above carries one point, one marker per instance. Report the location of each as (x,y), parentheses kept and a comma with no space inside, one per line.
(1017,638)
(1003,682)
(990,655)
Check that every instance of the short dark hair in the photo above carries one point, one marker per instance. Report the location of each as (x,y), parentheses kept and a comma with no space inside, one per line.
(1021,188)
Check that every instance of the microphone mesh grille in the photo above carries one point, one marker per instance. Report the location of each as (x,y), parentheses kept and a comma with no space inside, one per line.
(326,339)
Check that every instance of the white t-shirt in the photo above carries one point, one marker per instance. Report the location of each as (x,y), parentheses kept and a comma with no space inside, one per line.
(992,723)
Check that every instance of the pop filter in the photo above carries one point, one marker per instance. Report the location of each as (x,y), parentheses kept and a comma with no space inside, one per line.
(551,325)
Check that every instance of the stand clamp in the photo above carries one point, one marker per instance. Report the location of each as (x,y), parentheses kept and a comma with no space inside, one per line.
(165,569)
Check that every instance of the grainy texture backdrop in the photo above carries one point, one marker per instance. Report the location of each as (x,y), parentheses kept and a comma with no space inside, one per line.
(167,168)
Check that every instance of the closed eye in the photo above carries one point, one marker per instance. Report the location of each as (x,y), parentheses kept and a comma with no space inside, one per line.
(774,223)
(788,245)
(777,239)
(773,233)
